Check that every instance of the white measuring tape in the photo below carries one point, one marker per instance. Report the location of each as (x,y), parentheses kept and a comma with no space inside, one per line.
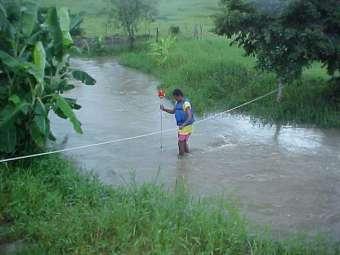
(133,137)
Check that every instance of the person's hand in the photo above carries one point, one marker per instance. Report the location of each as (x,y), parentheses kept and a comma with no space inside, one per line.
(162,107)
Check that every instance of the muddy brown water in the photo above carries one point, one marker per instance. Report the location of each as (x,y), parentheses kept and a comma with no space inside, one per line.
(284,177)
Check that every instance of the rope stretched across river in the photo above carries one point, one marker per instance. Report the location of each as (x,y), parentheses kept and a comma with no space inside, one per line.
(133,137)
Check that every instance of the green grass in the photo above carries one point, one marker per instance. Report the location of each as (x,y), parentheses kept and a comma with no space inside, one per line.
(217,76)
(183,13)
(186,14)
(57,211)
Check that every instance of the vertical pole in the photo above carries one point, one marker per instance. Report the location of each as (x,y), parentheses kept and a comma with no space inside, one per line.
(161,138)
(196,32)
(280,90)
(157,34)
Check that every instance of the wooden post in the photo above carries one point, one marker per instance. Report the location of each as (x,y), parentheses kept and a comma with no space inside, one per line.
(195,32)
(201,28)
(280,90)
(157,34)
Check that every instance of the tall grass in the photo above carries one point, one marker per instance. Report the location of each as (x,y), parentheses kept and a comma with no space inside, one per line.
(57,211)
(216,76)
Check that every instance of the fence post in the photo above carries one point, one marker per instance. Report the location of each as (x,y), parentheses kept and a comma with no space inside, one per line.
(196,32)
(280,90)
(157,34)
(201,28)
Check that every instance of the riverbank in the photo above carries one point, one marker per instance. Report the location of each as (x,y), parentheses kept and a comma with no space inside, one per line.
(49,204)
(217,76)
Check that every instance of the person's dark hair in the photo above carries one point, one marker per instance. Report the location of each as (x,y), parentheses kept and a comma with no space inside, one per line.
(178,93)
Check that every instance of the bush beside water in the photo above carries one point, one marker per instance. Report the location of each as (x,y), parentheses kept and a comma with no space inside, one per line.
(216,76)
(59,211)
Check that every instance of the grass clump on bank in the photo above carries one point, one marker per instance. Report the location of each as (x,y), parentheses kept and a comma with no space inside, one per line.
(216,76)
(58,211)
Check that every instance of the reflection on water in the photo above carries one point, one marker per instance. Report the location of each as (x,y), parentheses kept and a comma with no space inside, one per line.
(284,176)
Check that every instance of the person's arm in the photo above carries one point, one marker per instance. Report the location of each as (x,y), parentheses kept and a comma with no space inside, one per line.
(189,119)
(170,111)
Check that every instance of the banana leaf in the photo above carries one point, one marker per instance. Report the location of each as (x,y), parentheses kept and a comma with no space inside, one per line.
(65,24)
(19,66)
(29,17)
(56,33)
(66,109)
(39,59)
(73,103)
(3,16)
(83,77)
(40,128)
(76,21)
(9,113)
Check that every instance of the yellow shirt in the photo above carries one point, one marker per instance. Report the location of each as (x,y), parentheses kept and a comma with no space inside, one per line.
(187,130)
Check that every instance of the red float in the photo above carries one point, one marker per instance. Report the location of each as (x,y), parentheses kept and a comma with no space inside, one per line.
(161,93)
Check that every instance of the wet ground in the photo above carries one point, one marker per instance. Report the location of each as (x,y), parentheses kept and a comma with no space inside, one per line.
(286,177)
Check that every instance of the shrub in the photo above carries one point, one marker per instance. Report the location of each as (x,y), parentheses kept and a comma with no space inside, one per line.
(34,73)
(174,30)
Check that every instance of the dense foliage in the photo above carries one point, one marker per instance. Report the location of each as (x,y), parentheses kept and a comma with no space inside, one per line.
(161,49)
(34,73)
(287,37)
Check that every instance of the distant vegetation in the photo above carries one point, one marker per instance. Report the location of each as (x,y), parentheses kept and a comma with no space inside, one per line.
(129,14)
(99,18)
(204,64)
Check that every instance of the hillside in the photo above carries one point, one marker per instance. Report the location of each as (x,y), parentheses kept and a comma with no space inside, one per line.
(183,13)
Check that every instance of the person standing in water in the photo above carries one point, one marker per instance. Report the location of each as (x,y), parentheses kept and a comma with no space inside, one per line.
(184,118)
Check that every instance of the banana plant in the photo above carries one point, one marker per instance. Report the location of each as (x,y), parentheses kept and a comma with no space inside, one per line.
(161,50)
(35,72)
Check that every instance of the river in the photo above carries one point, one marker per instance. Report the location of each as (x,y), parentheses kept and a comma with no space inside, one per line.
(284,177)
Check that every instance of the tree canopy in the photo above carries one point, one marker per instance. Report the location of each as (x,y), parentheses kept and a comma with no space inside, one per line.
(130,13)
(284,36)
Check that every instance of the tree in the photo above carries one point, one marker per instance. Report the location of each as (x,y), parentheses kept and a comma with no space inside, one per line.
(34,73)
(130,13)
(284,36)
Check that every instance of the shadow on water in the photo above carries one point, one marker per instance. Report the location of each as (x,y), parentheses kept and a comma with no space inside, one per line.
(284,176)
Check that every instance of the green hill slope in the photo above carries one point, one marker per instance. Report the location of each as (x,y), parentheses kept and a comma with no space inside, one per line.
(183,13)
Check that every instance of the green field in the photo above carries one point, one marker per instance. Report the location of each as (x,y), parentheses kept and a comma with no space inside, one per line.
(58,211)
(185,14)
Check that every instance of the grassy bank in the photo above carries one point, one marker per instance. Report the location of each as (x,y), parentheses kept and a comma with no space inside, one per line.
(216,76)
(58,211)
